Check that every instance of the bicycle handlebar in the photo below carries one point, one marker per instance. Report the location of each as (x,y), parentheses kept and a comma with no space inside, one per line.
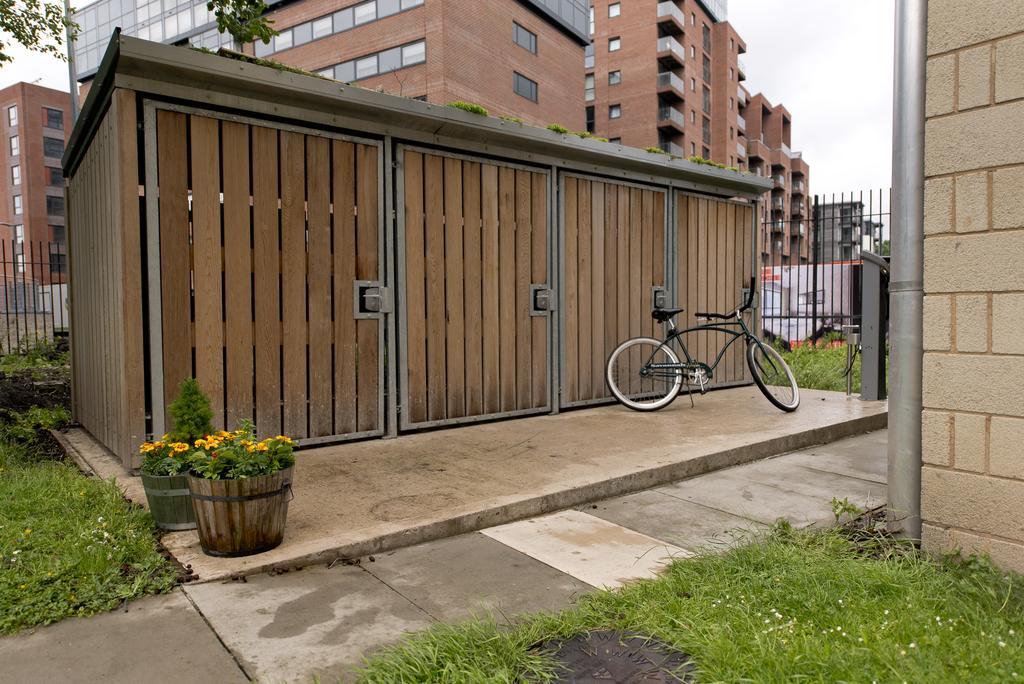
(744,307)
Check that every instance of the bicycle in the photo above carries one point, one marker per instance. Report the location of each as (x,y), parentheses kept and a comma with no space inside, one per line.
(645,374)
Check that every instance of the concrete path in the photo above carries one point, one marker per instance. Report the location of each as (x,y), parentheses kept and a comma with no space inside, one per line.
(322,621)
(364,498)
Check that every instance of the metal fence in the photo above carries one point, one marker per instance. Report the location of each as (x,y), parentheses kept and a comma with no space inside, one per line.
(811,261)
(33,294)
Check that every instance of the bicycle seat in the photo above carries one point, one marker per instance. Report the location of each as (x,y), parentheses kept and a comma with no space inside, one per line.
(663,315)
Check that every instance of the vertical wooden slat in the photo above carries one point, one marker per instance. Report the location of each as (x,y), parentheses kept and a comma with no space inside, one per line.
(318,207)
(174,252)
(692,259)
(471,234)
(455,330)
(733,288)
(623,227)
(539,274)
(523,269)
(433,172)
(597,276)
(646,261)
(570,342)
(583,257)
(507,285)
(207,262)
(343,196)
(415,303)
(267,280)
(701,291)
(237,273)
(367,330)
(636,324)
(293,281)
(724,298)
(611,205)
(491,343)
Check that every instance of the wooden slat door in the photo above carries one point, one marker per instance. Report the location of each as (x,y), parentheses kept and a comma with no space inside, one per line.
(474,240)
(714,254)
(263,231)
(614,254)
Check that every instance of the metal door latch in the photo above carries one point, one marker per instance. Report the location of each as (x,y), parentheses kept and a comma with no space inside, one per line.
(659,297)
(542,300)
(371,299)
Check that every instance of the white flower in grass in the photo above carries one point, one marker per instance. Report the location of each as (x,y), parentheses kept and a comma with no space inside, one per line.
(1002,644)
(913,645)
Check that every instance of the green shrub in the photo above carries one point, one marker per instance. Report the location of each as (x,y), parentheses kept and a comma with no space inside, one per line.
(558,128)
(191,413)
(511,119)
(655,150)
(470,107)
(583,134)
(599,138)
(30,429)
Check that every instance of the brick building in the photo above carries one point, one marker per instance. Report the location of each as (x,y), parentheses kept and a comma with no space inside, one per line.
(35,124)
(514,57)
(786,210)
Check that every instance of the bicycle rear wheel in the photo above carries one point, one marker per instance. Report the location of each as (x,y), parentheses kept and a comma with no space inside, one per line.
(773,376)
(633,380)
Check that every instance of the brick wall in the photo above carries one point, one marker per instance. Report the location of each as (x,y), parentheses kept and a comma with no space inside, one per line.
(973,418)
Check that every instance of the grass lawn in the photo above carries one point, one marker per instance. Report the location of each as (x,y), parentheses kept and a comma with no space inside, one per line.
(794,606)
(821,367)
(69,545)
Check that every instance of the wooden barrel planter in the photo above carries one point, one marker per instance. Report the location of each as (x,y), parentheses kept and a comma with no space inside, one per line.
(241,517)
(170,501)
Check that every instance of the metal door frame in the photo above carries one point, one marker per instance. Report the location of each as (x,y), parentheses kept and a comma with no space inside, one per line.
(401,322)
(153,298)
(669,266)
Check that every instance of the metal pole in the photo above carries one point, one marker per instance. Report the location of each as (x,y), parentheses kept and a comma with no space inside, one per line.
(907,268)
(72,89)
(815,242)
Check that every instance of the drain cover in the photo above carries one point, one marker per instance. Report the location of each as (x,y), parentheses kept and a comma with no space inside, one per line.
(612,656)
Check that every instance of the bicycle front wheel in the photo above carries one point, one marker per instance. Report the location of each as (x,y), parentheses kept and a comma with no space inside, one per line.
(644,374)
(773,376)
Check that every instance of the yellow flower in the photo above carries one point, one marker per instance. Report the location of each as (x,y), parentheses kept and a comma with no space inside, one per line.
(179,447)
(262,446)
(28,531)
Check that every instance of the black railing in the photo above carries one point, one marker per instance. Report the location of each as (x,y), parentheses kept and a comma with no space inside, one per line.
(33,294)
(811,259)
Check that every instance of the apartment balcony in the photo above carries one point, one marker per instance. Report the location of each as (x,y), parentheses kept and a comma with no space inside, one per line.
(778,226)
(757,150)
(671,19)
(796,208)
(672,148)
(672,85)
(741,150)
(670,117)
(741,96)
(780,180)
(799,187)
(671,52)
(778,203)
(741,70)
(741,123)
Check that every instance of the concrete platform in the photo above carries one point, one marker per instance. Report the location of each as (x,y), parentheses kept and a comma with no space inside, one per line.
(364,498)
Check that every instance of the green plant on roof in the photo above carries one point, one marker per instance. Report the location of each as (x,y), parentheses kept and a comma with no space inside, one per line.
(558,128)
(470,107)
(732,168)
(244,20)
(583,134)
(600,139)
(511,119)
(191,413)
(707,162)
(655,150)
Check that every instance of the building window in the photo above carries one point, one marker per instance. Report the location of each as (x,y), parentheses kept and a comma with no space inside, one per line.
(322,27)
(732,74)
(706,104)
(614,44)
(58,258)
(590,20)
(12,115)
(54,176)
(58,233)
(54,205)
(381,63)
(614,111)
(693,116)
(17,205)
(524,38)
(53,147)
(590,118)
(693,19)
(53,118)
(615,140)
(15,146)
(283,40)
(16,174)
(588,56)
(693,149)
(731,133)
(588,88)
(707,38)
(614,77)
(414,54)
(19,234)
(19,259)
(706,70)
(693,52)
(364,13)
(614,10)
(524,86)
(705,152)
(706,132)
(693,84)
(730,104)
(366,67)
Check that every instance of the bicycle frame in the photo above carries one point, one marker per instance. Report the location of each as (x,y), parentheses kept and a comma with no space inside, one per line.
(675,335)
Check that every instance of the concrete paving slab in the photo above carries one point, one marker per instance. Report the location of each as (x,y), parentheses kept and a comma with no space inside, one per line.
(452,579)
(733,492)
(364,498)
(863,456)
(600,553)
(155,639)
(821,484)
(671,519)
(317,622)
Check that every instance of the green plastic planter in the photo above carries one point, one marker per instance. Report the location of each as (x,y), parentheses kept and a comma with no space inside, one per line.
(170,502)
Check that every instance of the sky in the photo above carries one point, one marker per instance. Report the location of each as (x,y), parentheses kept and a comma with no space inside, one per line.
(828,61)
